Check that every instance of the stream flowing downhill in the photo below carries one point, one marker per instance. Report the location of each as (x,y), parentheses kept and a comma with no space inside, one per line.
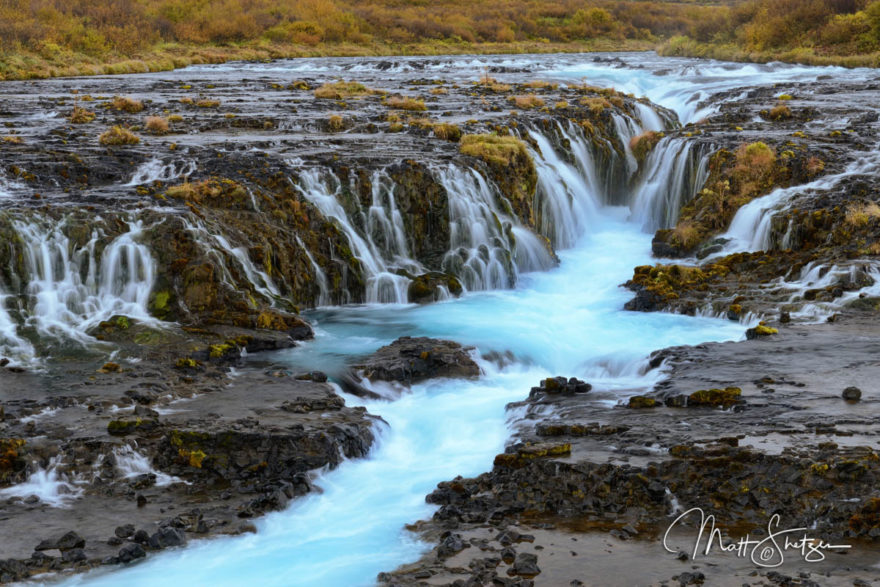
(526,318)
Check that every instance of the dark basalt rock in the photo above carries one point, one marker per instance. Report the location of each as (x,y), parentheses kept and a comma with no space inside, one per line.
(559,386)
(68,541)
(410,360)
(852,394)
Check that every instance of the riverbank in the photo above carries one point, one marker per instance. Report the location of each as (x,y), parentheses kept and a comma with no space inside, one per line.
(171,56)
(585,489)
(145,278)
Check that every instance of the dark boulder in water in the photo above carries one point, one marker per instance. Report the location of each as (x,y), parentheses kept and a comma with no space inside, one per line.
(410,360)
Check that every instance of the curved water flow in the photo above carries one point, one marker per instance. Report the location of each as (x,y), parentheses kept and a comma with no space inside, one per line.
(567,321)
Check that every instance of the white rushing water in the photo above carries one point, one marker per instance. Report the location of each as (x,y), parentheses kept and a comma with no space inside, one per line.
(70,289)
(564,321)
(48,485)
(567,321)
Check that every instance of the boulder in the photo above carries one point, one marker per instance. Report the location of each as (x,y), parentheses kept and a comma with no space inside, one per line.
(410,360)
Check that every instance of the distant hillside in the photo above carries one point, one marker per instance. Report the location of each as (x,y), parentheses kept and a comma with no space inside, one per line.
(40,38)
(842,32)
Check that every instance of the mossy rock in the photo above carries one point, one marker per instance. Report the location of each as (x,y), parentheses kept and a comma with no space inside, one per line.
(641,401)
(125,427)
(716,397)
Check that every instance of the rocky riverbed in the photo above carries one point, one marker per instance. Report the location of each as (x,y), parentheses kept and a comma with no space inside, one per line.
(150,289)
(743,430)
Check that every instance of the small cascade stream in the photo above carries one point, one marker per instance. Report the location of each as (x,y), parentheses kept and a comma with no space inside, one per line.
(72,289)
(546,318)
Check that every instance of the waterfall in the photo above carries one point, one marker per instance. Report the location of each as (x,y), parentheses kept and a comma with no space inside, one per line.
(627,129)
(158,170)
(673,173)
(750,229)
(13,348)
(483,240)
(383,286)
(649,118)
(324,298)
(68,292)
(53,488)
(7,186)
(568,197)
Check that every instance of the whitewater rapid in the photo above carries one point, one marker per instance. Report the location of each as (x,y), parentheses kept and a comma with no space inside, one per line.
(564,321)
(567,321)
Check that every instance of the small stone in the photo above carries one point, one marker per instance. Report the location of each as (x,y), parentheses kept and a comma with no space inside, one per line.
(166,537)
(131,552)
(141,537)
(74,555)
(141,500)
(852,394)
(68,541)
(526,565)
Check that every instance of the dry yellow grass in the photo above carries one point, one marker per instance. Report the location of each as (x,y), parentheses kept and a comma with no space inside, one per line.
(406,103)
(341,90)
(125,104)
(81,116)
(596,105)
(439,91)
(208,103)
(527,101)
(860,215)
(335,123)
(493,148)
(156,125)
(540,85)
(118,136)
(447,132)
(12,140)
(686,234)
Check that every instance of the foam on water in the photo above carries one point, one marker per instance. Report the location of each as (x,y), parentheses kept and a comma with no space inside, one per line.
(130,463)
(566,321)
(48,485)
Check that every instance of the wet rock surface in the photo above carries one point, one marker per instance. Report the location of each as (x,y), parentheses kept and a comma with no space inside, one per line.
(815,249)
(409,360)
(159,454)
(742,430)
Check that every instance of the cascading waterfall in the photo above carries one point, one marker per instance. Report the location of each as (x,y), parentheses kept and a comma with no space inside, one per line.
(69,290)
(383,286)
(158,170)
(750,228)
(649,118)
(673,173)
(16,350)
(324,298)
(568,202)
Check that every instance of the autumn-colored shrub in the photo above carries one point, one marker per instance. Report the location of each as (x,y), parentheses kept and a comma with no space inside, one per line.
(156,125)
(124,104)
(341,90)
(406,103)
(118,135)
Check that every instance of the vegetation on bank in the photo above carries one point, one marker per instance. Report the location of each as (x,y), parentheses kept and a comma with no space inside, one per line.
(814,32)
(42,38)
